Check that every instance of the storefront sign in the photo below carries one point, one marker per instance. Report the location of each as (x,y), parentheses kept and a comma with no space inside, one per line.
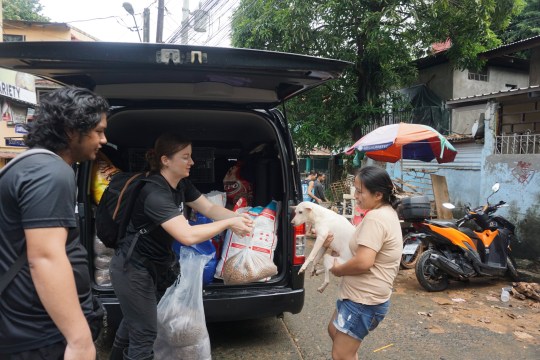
(11,141)
(18,86)
(19,129)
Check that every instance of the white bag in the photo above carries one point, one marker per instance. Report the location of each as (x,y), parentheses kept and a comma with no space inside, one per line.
(250,257)
(182,333)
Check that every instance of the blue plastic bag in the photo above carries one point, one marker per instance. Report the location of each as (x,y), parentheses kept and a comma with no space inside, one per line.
(204,248)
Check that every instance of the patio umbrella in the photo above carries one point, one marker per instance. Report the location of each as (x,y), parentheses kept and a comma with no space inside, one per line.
(394,142)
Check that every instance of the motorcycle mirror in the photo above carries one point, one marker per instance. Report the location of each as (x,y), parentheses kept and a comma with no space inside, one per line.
(495,187)
(449,206)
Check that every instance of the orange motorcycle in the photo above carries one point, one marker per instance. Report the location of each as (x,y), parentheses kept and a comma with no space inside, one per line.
(456,252)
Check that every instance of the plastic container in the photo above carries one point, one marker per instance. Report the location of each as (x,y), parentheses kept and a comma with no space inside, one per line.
(415,208)
(505,294)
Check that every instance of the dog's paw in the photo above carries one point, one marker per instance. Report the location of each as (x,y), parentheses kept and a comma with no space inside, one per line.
(322,287)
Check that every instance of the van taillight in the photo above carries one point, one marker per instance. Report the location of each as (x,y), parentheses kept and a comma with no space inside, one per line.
(299,245)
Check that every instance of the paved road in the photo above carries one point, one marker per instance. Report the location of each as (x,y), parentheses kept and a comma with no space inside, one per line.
(468,321)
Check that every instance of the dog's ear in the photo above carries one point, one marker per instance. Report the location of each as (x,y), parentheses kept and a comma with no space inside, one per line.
(308,205)
(292,207)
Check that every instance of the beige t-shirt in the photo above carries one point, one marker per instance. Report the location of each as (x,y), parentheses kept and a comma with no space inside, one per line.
(379,230)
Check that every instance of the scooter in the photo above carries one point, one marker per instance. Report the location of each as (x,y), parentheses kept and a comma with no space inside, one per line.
(459,253)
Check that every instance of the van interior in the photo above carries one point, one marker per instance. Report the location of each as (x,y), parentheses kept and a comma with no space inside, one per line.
(219,139)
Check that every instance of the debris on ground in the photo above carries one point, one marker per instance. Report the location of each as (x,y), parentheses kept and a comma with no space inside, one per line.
(523,290)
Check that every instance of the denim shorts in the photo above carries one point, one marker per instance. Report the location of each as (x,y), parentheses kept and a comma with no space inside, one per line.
(357,320)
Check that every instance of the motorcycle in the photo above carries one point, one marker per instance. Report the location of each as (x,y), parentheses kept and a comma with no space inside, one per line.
(457,252)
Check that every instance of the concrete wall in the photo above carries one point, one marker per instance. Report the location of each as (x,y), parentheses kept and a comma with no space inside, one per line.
(460,192)
(519,178)
(534,67)
(498,77)
(438,79)
(38,31)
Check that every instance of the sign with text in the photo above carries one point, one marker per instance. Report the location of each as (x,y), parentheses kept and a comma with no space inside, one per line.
(18,86)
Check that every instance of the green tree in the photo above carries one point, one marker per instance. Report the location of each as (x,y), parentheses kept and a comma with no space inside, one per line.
(525,25)
(380,38)
(23,10)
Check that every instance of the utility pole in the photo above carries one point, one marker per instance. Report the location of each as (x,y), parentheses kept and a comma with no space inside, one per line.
(185,23)
(146,25)
(1,23)
(160,14)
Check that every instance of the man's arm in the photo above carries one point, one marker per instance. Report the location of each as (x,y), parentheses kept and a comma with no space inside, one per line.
(53,278)
(310,191)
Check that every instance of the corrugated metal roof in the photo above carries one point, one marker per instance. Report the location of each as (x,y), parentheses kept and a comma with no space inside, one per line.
(492,95)
(512,47)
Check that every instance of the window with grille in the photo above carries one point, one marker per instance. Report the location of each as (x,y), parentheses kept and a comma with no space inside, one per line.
(13,38)
(480,75)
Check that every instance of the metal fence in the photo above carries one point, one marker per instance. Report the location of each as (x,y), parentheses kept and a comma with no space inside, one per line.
(388,119)
(518,144)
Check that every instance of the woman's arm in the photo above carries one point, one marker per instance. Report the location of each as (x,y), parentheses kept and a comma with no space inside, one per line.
(360,263)
(211,210)
(180,229)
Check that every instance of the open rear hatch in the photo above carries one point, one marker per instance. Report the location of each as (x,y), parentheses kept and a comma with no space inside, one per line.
(128,72)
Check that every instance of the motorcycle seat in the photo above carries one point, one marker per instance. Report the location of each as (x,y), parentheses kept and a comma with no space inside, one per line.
(443,223)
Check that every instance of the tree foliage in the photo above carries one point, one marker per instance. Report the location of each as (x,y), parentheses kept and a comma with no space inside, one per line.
(525,25)
(380,38)
(23,10)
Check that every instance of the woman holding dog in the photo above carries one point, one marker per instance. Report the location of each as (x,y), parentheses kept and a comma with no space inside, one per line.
(367,278)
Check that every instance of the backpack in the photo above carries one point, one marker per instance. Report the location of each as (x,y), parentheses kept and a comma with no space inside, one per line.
(113,213)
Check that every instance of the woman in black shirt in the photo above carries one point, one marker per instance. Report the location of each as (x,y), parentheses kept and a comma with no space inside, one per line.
(140,282)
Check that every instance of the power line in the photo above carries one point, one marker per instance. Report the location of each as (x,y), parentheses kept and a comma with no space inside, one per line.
(209,6)
(217,10)
(228,25)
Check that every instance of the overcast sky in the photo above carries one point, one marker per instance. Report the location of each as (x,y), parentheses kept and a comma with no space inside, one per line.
(108,20)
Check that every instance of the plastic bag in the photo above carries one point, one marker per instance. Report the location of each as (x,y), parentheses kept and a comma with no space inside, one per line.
(182,332)
(207,247)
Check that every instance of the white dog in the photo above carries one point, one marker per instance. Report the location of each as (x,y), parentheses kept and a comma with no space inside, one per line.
(324,221)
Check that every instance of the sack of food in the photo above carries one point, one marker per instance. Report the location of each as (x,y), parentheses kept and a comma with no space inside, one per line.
(102,171)
(247,266)
(182,332)
(261,245)
(236,186)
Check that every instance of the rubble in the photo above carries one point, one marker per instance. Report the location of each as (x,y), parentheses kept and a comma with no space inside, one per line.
(524,290)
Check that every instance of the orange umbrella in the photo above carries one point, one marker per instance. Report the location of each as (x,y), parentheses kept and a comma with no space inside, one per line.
(394,142)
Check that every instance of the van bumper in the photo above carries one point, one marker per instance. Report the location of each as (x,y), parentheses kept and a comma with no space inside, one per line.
(231,305)
(266,303)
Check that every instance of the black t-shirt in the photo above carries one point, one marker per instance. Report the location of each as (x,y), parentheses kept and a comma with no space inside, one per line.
(157,203)
(37,192)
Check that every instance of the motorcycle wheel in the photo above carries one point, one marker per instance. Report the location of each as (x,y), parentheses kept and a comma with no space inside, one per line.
(408,261)
(428,275)
(512,269)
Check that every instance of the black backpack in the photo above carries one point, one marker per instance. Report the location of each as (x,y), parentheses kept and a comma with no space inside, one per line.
(113,213)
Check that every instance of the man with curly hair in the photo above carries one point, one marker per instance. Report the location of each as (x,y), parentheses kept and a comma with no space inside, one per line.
(47,311)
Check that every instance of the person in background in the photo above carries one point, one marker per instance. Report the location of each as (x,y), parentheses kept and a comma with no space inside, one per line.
(306,184)
(367,278)
(47,310)
(140,281)
(318,188)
